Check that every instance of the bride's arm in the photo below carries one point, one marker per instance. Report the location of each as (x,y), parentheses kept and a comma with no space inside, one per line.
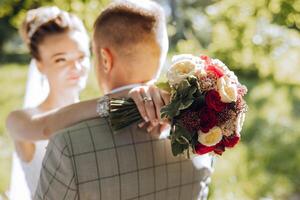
(24,127)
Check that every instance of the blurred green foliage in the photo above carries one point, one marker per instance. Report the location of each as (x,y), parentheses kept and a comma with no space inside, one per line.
(10,98)
(258,39)
(262,40)
(12,12)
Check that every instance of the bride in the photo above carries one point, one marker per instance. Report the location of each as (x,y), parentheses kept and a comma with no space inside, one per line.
(59,46)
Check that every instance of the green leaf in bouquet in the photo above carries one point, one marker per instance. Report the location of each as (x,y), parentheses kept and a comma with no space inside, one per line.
(187,83)
(164,86)
(182,98)
(194,140)
(187,100)
(171,110)
(201,99)
(182,132)
(186,95)
(193,81)
(183,87)
(178,148)
(185,104)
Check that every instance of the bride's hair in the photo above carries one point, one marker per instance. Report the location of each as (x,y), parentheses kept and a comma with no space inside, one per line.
(44,21)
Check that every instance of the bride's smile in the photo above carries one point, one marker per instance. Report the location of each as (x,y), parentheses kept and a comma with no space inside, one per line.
(65,64)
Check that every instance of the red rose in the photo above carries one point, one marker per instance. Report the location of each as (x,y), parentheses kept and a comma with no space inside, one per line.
(208,119)
(213,101)
(202,149)
(216,70)
(230,141)
(219,148)
(206,59)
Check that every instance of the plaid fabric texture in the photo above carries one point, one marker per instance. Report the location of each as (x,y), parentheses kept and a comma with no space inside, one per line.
(89,162)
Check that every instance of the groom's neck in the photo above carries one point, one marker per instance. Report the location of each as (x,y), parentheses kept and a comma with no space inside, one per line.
(138,79)
(113,86)
(122,90)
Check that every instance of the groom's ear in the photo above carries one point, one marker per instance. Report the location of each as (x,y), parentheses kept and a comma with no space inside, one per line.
(107,59)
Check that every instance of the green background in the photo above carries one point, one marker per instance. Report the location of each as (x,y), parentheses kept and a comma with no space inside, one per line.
(258,39)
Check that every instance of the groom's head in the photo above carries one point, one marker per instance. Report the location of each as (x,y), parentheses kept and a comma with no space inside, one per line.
(130,43)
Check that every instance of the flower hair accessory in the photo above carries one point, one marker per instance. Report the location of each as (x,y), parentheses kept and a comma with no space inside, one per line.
(37,17)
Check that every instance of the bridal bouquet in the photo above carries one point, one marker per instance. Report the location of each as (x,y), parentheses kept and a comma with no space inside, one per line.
(206,111)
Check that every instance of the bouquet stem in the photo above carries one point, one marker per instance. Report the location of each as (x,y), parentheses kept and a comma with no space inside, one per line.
(123,112)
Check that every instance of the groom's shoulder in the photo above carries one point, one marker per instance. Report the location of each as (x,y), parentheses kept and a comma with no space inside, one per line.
(96,134)
(82,126)
(83,133)
(87,124)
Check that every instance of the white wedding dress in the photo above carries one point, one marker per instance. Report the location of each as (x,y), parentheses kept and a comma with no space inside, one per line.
(25,175)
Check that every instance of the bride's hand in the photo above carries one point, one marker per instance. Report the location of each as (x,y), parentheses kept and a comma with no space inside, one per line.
(149,100)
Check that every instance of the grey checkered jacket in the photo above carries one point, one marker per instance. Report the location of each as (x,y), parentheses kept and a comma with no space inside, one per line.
(90,161)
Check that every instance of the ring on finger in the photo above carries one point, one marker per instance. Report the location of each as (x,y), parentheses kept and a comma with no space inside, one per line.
(147,99)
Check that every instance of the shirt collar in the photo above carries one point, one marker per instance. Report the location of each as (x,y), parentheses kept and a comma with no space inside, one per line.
(125,87)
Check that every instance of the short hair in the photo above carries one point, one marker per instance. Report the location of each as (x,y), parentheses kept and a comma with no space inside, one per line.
(45,21)
(126,23)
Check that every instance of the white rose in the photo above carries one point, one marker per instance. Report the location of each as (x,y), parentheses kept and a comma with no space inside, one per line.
(227,90)
(197,60)
(229,73)
(220,64)
(211,138)
(239,122)
(181,70)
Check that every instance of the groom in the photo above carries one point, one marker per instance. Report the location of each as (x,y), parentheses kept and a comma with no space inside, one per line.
(89,161)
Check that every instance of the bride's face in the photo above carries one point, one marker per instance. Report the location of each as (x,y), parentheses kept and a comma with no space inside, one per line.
(64,60)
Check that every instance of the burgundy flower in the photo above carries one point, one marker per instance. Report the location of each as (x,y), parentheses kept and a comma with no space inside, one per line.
(240,105)
(202,149)
(230,141)
(208,119)
(216,70)
(228,115)
(213,101)
(190,120)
